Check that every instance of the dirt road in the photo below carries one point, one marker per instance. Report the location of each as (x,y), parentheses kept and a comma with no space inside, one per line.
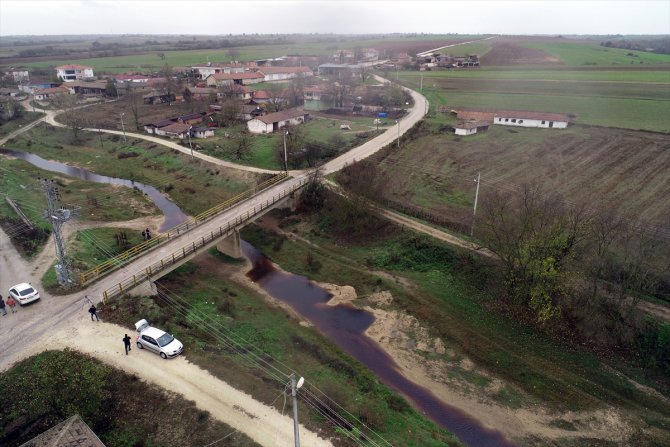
(60,322)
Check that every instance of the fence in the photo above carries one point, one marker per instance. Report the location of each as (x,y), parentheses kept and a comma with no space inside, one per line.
(131,282)
(132,253)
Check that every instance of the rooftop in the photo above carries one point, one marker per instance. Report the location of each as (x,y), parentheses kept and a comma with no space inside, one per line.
(73,67)
(282,116)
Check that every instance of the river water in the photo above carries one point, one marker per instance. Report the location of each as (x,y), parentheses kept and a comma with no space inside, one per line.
(172,214)
(345,326)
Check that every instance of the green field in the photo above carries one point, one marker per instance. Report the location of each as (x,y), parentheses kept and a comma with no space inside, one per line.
(479,48)
(559,74)
(578,54)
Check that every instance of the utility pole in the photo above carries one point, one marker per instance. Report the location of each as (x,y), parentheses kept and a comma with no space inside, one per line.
(421,84)
(57,217)
(123,128)
(398,122)
(294,391)
(189,142)
(474,210)
(285,156)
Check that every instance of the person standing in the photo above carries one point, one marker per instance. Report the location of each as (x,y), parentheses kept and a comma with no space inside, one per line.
(94,312)
(11,303)
(2,306)
(126,343)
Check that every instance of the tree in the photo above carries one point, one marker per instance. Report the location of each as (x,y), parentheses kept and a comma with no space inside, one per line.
(161,56)
(535,236)
(277,97)
(295,93)
(188,96)
(73,116)
(110,89)
(134,103)
(243,147)
(230,111)
(167,73)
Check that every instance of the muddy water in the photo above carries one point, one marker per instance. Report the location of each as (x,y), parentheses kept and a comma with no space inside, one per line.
(345,326)
(172,214)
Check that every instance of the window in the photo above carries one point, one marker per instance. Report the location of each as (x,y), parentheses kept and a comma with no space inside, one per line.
(542,122)
(514,120)
(149,339)
(520,121)
(506,119)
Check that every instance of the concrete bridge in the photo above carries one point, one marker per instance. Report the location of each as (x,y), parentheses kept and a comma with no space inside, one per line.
(137,276)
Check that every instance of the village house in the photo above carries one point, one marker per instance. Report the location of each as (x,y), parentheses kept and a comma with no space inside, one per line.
(336,69)
(284,73)
(470,127)
(134,78)
(205,70)
(192,118)
(275,121)
(235,91)
(224,79)
(174,130)
(10,92)
(18,76)
(316,97)
(531,119)
(368,55)
(250,111)
(201,93)
(158,97)
(73,72)
(46,94)
(87,87)
(151,127)
(202,132)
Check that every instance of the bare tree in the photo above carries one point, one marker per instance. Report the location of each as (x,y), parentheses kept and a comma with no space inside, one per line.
(277,97)
(134,104)
(73,116)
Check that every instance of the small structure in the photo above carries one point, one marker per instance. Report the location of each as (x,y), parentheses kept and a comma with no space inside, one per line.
(224,79)
(73,72)
(530,119)
(11,92)
(471,127)
(45,94)
(202,132)
(151,127)
(18,75)
(209,68)
(275,121)
(250,111)
(69,433)
(174,130)
(201,93)
(87,87)
(158,97)
(191,118)
(284,73)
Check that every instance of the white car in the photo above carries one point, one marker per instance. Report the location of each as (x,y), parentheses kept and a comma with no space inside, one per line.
(24,293)
(157,340)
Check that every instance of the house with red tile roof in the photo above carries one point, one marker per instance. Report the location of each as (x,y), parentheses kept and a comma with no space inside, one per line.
(72,72)
(175,130)
(284,73)
(45,94)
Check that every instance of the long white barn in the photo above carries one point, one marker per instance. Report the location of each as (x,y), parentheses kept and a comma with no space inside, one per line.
(531,119)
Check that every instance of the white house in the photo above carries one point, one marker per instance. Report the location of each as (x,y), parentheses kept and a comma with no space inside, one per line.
(275,121)
(176,130)
(202,132)
(72,72)
(530,119)
(284,73)
(18,75)
(470,127)
(209,69)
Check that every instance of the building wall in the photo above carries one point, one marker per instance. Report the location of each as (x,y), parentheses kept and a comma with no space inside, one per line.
(520,122)
(258,126)
(459,131)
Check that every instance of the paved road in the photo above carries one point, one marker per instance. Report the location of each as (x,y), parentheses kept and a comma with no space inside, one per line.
(32,327)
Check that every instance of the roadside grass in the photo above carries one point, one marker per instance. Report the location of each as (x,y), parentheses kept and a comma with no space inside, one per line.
(194,186)
(210,291)
(15,124)
(453,297)
(578,54)
(41,391)
(92,246)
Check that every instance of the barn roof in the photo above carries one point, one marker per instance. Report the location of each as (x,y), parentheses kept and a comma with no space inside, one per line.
(282,116)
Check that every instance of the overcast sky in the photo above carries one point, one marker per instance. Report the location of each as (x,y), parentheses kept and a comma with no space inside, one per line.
(22,17)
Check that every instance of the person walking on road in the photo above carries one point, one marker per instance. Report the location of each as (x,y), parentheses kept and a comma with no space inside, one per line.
(94,312)
(2,306)
(126,343)
(11,303)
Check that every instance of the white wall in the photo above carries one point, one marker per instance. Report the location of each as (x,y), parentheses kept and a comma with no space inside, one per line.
(521,122)
(460,131)
(257,126)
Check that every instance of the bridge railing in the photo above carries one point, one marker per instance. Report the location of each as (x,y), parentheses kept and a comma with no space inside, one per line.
(175,257)
(130,254)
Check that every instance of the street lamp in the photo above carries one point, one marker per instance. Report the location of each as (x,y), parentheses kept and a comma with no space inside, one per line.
(123,128)
(285,156)
(294,392)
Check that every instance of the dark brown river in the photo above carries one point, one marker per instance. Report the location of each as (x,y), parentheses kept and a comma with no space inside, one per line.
(345,326)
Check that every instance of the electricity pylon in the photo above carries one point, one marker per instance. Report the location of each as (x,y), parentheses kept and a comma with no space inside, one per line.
(57,215)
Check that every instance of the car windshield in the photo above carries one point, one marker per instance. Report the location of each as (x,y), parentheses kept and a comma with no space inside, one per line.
(27,291)
(165,340)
